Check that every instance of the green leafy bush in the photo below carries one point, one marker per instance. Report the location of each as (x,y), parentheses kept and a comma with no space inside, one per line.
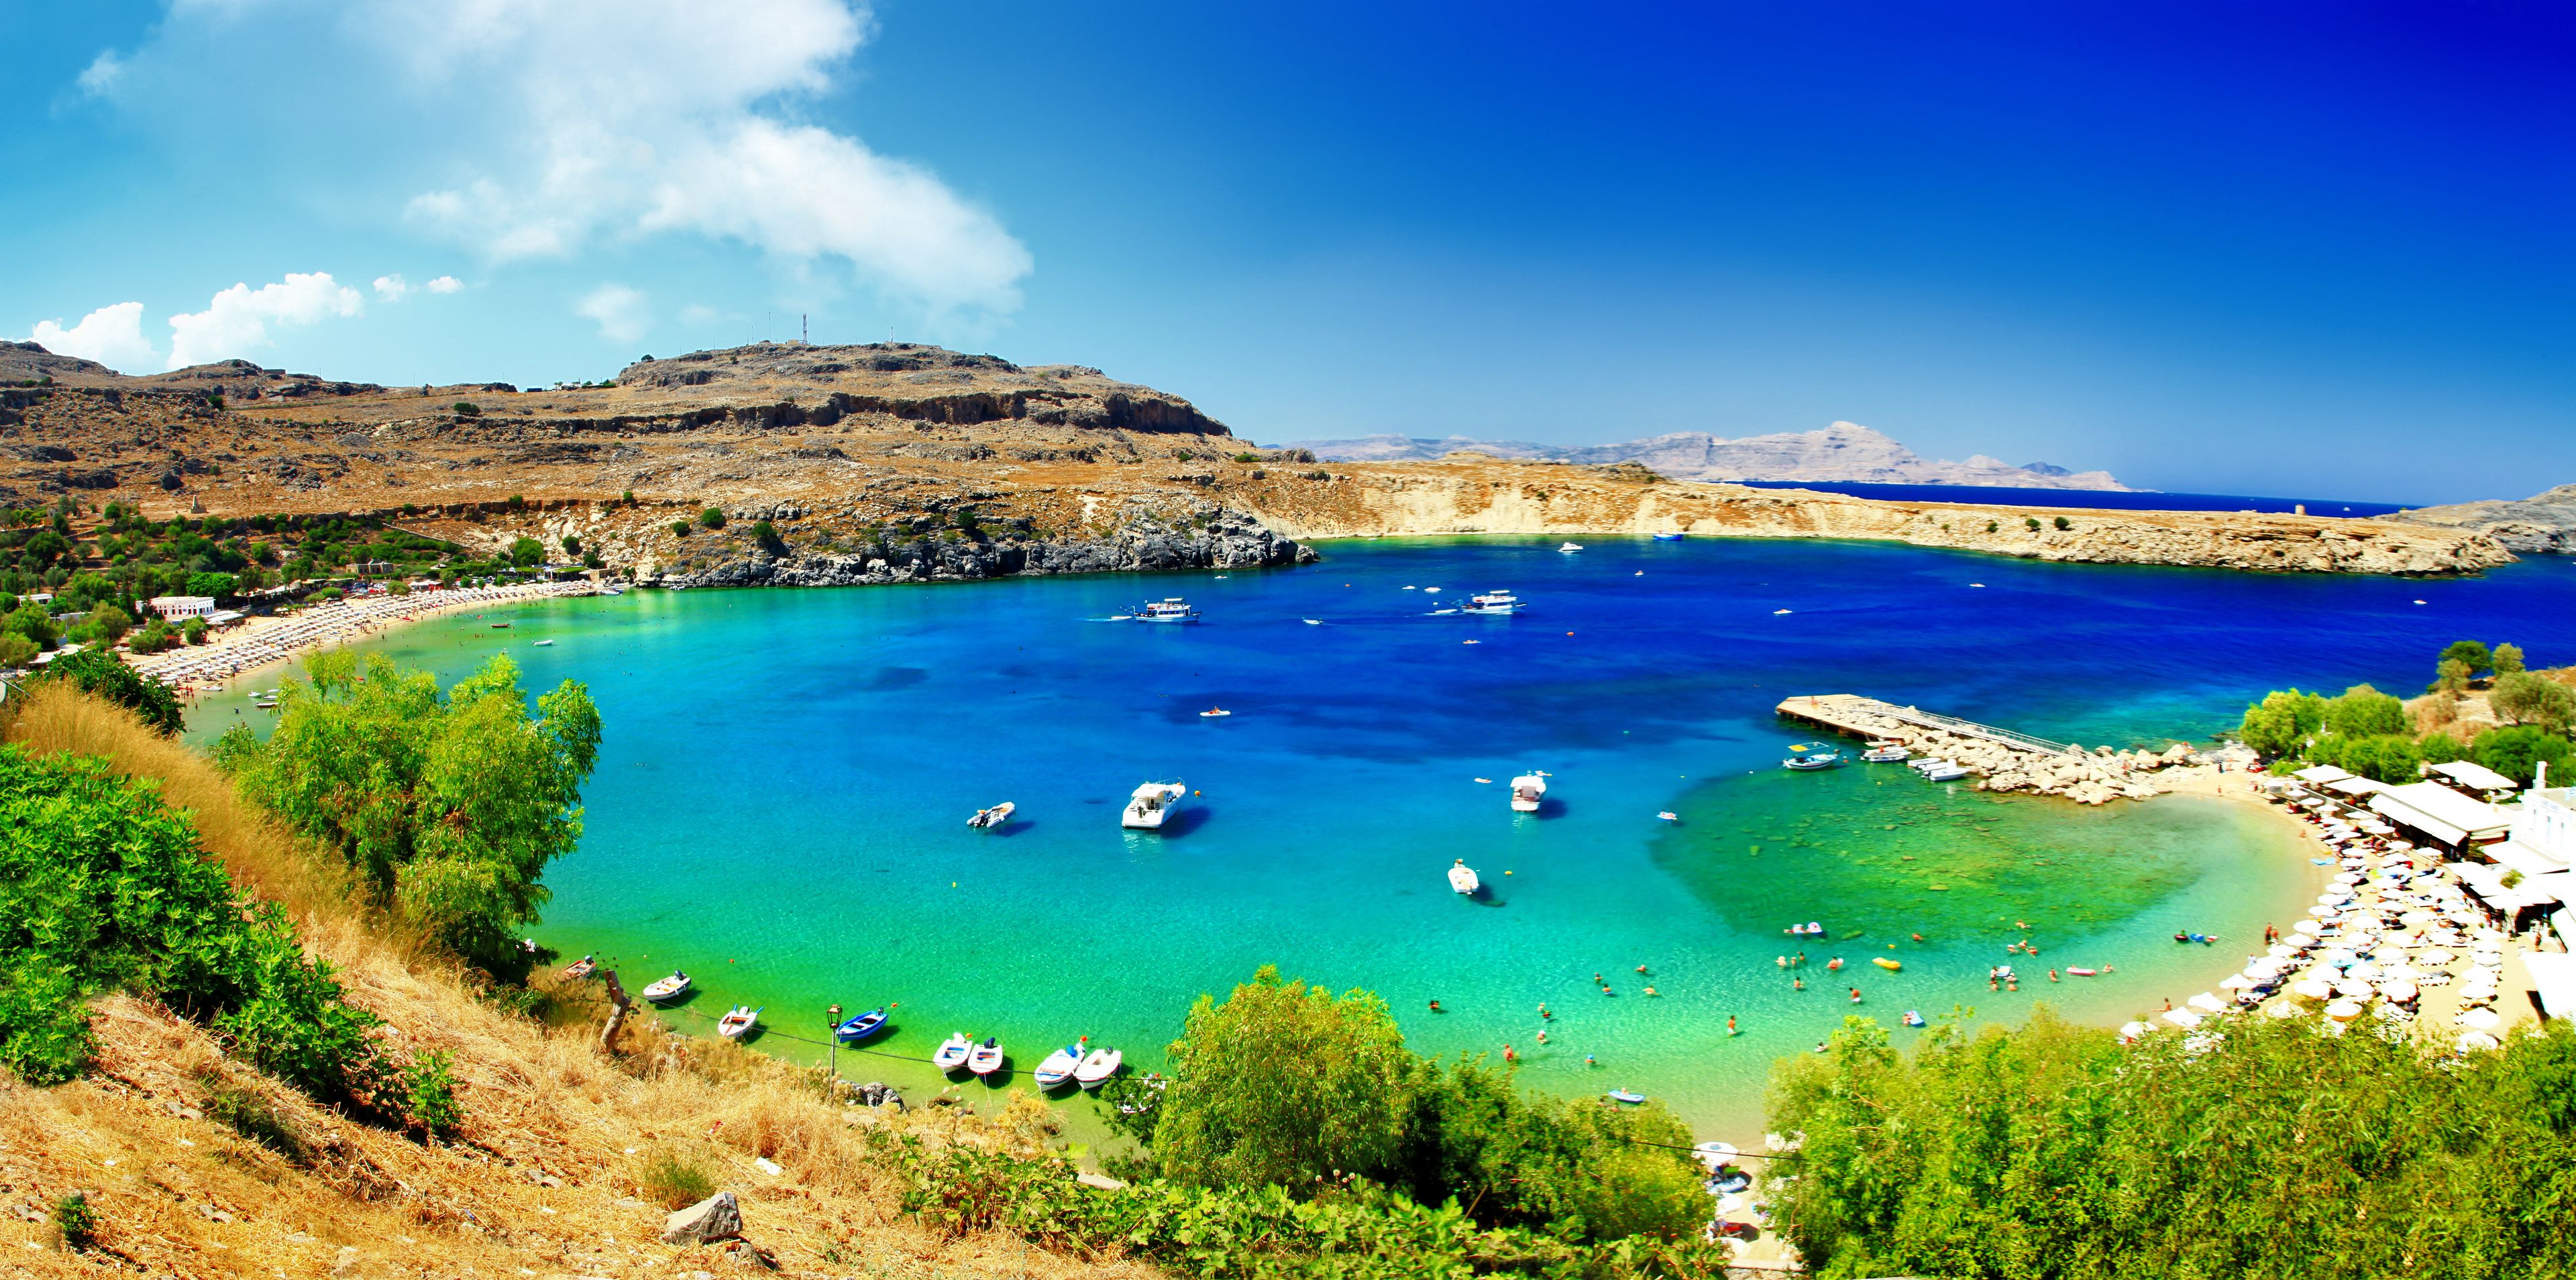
(449,805)
(712,517)
(673,1179)
(2056,1153)
(2062,522)
(102,887)
(99,674)
(249,1113)
(75,1222)
(467,409)
(429,1094)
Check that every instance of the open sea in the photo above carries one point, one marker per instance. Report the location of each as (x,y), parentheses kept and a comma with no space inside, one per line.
(780,805)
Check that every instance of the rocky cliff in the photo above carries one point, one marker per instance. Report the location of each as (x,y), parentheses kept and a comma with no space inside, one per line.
(1477,495)
(1843,452)
(2544,523)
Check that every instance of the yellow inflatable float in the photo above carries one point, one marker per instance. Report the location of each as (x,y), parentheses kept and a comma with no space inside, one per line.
(1887,964)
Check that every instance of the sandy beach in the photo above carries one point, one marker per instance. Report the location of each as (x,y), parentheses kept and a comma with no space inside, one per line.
(264,641)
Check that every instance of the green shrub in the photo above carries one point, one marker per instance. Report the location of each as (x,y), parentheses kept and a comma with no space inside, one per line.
(467,409)
(674,1180)
(2032,521)
(680,528)
(99,674)
(712,517)
(2063,523)
(75,1222)
(103,887)
(429,1094)
(1247,458)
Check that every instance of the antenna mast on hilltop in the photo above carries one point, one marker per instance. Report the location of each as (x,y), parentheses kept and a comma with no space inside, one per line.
(804,330)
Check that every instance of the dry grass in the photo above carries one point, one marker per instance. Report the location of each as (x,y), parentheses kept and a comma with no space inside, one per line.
(198,1166)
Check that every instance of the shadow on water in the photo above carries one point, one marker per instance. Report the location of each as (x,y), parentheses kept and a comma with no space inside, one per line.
(898,678)
(1011,828)
(1186,819)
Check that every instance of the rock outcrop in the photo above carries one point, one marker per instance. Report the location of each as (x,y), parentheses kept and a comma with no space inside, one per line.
(1471,495)
(1845,451)
(1219,540)
(2544,523)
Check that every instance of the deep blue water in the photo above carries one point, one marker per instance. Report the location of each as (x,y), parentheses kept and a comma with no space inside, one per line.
(780,802)
(2086,498)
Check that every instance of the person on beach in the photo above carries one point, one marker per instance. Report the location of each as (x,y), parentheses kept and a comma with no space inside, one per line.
(2168,1004)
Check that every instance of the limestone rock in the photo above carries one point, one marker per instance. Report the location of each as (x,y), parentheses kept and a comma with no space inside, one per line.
(717,1217)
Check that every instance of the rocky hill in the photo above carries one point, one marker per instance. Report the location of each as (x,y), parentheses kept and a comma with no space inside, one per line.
(1843,452)
(2543,523)
(895,462)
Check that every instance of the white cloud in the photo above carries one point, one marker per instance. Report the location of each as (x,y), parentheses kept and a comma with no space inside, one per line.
(548,126)
(392,288)
(445,284)
(238,319)
(619,311)
(102,73)
(111,335)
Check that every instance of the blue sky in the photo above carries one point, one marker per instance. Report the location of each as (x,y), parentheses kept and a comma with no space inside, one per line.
(2236,248)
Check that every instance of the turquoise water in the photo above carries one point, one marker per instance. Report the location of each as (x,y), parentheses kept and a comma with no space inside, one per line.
(780,803)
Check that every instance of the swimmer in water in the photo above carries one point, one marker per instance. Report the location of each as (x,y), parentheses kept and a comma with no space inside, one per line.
(1855,995)
(1542,1010)
(1918,937)
(1435,1006)
(1730,1024)
(2052,973)
(1650,991)
(1797,984)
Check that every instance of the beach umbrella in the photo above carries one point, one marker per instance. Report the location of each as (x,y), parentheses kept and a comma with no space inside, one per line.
(1716,1155)
(2235,982)
(2343,1011)
(2473,1040)
(2433,957)
(2353,990)
(2284,951)
(2364,971)
(2206,1001)
(2133,1030)
(2313,989)
(2182,1017)
(2401,992)
(2481,1019)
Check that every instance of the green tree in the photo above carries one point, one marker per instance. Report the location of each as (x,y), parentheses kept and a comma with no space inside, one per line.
(527,552)
(766,534)
(2451,676)
(97,672)
(450,806)
(16,650)
(2438,747)
(2282,722)
(221,586)
(2469,653)
(2507,659)
(2062,522)
(193,631)
(2362,711)
(107,624)
(2523,697)
(2386,757)
(572,544)
(2518,751)
(1285,1084)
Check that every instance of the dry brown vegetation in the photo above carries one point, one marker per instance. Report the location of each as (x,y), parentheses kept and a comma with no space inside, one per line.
(197,1165)
(2466,714)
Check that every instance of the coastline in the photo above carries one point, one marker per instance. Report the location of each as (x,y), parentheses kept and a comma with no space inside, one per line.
(262,642)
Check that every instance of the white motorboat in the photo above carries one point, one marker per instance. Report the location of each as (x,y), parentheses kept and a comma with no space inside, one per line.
(1527,791)
(1945,771)
(987,819)
(668,988)
(543,643)
(1059,1066)
(1167,609)
(1570,548)
(1097,1067)
(951,1053)
(1885,753)
(737,1022)
(1312,622)
(986,1058)
(1215,713)
(1150,804)
(1463,877)
(1500,602)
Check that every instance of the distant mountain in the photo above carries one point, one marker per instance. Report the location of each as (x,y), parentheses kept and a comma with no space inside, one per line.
(2543,522)
(1844,451)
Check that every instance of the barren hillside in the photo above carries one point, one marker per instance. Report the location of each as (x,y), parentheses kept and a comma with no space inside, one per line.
(895,461)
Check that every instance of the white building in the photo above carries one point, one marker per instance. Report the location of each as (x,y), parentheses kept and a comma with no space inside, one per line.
(2544,832)
(176,607)
(2436,814)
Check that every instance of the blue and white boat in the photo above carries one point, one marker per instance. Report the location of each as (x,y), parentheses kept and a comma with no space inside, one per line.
(1670,537)
(1628,1096)
(1059,1066)
(1167,609)
(1495,602)
(860,1027)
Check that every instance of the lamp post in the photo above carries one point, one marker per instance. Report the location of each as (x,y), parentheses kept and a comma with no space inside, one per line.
(831,1030)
